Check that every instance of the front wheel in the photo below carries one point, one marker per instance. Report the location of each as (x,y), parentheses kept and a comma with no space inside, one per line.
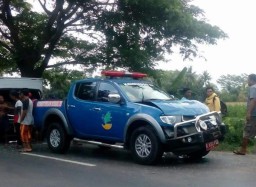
(145,146)
(57,139)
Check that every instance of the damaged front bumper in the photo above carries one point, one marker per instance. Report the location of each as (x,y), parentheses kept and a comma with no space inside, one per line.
(201,133)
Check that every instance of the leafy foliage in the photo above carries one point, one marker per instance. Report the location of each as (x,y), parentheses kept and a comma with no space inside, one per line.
(174,81)
(234,87)
(58,81)
(120,33)
(235,123)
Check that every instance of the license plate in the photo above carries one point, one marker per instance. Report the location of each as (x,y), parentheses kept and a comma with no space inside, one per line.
(211,145)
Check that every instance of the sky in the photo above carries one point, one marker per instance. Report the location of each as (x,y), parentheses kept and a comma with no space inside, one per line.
(234,55)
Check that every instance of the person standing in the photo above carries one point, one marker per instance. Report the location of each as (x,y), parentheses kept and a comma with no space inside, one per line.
(26,121)
(187,94)
(250,121)
(4,122)
(212,100)
(17,114)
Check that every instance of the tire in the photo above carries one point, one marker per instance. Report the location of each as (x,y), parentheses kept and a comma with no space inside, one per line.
(57,139)
(145,146)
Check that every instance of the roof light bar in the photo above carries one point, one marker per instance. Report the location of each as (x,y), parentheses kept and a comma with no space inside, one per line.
(135,75)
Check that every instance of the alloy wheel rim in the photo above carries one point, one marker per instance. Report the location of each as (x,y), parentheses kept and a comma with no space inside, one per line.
(55,138)
(143,145)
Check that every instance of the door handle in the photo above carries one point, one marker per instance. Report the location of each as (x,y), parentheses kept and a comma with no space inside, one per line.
(72,106)
(96,109)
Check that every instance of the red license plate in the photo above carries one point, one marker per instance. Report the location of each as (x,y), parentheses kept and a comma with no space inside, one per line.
(211,145)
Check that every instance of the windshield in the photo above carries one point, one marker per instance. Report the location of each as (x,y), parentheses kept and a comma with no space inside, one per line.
(139,92)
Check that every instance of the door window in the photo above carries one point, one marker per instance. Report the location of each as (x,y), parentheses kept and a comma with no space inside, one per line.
(104,90)
(85,90)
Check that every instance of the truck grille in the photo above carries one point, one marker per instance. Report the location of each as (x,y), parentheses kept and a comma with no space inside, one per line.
(186,118)
(186,129)
(189,128)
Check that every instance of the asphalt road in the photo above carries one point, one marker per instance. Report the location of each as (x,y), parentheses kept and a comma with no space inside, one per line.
(89,166)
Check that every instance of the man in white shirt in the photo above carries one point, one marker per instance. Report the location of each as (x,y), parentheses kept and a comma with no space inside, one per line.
(26,120)
(14,94)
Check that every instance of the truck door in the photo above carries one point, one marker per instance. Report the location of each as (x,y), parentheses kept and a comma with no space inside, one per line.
(110,117)
(80,108)
(94,116)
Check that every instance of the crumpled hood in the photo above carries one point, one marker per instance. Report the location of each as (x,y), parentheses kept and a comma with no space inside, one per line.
(181,107)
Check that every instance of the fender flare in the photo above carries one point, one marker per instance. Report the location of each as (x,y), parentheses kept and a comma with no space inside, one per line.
(59,114)
(150,120)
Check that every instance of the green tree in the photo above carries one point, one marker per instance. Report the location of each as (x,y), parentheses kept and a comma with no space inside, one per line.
(57,81)
(206,78)
(170,81)
(173,82)
(190,78)
(178,81)
(233,87)
(119,33)
(197,83)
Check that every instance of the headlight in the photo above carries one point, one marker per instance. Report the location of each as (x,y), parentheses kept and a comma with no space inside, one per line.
(170,119)
(203,125)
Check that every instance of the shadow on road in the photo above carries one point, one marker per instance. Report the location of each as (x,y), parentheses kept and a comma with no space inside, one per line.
(94,153)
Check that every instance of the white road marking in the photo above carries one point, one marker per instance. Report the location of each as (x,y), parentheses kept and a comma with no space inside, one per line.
(59,159)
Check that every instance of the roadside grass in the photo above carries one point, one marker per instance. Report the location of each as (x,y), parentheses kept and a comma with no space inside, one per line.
(226,147)
(235,120)
(235,103)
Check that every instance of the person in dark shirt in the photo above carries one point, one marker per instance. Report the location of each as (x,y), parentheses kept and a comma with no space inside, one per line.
(187,94)
(4,123)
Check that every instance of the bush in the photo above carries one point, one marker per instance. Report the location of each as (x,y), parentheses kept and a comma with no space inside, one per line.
(236,110)
(234,130)
(234,121)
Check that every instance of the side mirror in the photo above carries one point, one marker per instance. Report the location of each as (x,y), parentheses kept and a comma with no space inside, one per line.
(114,97)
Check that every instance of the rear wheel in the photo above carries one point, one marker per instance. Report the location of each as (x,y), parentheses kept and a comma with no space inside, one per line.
(145,146)
(57,139)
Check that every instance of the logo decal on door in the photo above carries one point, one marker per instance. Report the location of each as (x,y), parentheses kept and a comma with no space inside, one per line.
(107,121)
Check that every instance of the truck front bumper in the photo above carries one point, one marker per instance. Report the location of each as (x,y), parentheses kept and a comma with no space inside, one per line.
(199,139)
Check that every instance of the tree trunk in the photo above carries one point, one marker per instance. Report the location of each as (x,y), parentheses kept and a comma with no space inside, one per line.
(29,70)
(29,63)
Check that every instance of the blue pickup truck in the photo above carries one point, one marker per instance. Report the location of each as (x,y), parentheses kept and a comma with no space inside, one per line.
(125,110)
